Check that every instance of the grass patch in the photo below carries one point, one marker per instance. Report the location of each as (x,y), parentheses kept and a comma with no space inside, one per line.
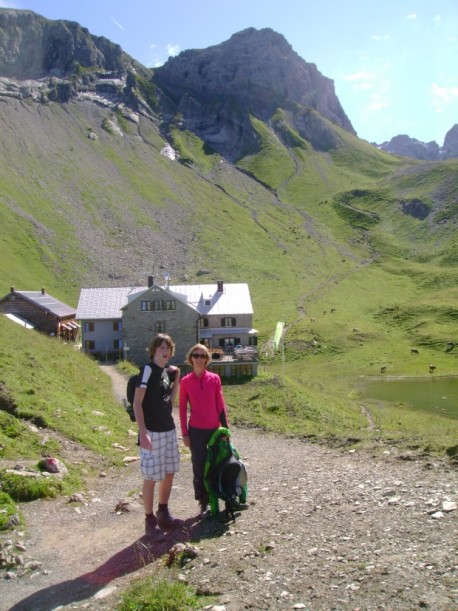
(272,165)
(153,594)
(8,509)
(22,488)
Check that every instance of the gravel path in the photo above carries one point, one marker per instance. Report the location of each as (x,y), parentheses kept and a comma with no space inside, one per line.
(324,530)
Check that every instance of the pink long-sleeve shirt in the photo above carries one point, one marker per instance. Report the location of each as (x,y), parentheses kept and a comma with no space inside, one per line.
(204,395)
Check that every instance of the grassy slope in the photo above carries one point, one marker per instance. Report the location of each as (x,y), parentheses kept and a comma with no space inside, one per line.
(51,385)
(299,249)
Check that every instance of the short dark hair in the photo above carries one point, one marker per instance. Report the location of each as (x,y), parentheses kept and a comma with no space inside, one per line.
(157,341)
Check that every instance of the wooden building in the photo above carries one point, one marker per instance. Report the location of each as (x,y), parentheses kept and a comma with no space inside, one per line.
(43,312)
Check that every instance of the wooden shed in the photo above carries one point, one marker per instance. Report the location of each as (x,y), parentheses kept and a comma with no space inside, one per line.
(42,311)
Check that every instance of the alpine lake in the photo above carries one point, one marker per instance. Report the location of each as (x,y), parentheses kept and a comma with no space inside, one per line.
(438,395)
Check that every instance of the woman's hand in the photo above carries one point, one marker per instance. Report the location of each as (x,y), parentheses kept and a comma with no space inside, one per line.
(186,441)
(175,372)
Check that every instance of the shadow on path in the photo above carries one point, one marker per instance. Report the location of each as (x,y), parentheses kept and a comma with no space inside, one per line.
(134,557)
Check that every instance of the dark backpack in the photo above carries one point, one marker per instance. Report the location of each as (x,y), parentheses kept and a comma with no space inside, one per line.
(225,476)
(132,383)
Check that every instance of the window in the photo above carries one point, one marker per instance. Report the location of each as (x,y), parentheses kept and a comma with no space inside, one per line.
(229,341)
(118,344)
(228,322)
(89,344)
(146,306)
(252,341)
(88,326)
(117,325)
(208,302)
(203,322)
(159,327)
(163,304)
(241,371)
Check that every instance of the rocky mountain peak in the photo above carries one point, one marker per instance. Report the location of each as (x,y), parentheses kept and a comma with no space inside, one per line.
(450,148)
(32,47)
(254,72)
(425,151)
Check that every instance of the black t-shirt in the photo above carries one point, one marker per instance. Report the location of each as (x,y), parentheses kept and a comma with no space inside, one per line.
(157,406)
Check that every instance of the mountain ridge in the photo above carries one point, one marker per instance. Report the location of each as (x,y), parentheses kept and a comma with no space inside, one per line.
(106,180)
(406,146)
(59,60)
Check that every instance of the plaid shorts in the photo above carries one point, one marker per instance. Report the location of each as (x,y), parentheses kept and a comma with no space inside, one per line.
(163,457)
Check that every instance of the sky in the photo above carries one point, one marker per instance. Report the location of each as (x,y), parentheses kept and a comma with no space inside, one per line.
(394,63)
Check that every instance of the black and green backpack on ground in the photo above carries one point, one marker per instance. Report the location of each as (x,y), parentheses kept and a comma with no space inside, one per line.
(225,476)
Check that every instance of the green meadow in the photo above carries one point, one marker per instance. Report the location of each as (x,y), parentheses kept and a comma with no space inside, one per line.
(353,248)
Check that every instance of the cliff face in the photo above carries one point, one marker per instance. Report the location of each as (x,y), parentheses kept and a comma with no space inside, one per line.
(32,47)
(58,61)
(215,90)
(450,148)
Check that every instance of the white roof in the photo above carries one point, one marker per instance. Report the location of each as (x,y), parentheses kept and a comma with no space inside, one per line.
(106,303)
(234,299)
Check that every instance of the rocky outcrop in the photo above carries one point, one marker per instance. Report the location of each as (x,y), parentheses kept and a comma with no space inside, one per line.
(450,148)
(58,61)
(33,47)
(411,147)
(214,91)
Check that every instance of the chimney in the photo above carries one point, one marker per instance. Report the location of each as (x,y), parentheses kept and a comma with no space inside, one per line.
(42,291)
(150,281)
(220,285)
(12,289)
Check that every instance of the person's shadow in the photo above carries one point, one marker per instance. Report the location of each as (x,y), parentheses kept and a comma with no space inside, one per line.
(139,554)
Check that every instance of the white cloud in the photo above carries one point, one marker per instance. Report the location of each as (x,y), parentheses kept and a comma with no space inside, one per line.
(378,102)
(412,16)
(380,36)
(443,95)
(358,76)
(437,19)
(173,50)
(363,86)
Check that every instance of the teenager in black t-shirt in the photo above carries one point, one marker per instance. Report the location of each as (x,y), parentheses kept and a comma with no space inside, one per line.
(160,458)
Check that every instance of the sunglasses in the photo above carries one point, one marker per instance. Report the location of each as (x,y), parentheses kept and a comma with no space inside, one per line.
(197,355)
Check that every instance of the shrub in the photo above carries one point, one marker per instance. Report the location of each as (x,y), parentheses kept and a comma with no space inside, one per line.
(22,488)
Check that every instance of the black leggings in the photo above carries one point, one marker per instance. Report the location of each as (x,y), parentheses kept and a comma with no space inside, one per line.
(199,439)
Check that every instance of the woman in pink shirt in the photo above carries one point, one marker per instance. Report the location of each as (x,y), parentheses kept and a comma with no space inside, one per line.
(201,390)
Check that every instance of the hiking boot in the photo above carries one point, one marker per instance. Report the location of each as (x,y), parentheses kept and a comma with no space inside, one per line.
(166,521)
(152,530)
(204,509)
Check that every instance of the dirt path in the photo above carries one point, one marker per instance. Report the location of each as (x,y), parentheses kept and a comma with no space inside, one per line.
(325,529)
